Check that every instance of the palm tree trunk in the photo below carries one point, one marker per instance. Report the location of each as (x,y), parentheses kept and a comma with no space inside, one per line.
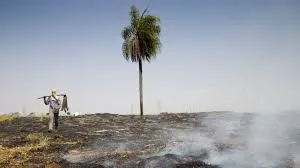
(141,86)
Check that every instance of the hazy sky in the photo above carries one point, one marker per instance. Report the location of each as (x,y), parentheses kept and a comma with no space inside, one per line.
(216,55)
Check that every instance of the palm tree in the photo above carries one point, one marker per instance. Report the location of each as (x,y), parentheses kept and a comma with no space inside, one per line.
(141,41)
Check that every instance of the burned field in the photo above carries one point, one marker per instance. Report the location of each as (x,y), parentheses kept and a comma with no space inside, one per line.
(203,140)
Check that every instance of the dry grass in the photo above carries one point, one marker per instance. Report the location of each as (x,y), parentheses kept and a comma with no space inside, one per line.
(8,117)
(36,146)
(53,165)
(42,118)
(20,154)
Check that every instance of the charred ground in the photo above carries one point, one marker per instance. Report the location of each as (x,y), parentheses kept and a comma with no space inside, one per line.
(105,140)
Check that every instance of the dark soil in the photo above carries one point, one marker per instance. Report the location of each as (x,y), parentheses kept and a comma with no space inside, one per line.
(99,138)
(108,140)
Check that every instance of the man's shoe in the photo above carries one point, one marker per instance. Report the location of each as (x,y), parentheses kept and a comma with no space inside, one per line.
(50,131)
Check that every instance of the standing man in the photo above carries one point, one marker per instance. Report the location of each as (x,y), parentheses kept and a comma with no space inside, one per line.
(54,106)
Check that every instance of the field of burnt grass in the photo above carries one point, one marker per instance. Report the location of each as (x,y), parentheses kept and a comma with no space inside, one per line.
(109,140)
(97,140)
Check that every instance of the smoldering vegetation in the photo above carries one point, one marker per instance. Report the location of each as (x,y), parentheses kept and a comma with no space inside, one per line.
(203,140)
(234,140)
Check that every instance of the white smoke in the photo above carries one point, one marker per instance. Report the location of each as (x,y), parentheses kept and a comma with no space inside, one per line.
(267,144)
(260,141)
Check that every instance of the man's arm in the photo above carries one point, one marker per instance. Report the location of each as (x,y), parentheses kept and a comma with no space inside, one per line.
(46,101)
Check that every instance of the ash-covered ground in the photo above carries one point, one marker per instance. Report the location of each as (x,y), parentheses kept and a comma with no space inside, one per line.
(204,140)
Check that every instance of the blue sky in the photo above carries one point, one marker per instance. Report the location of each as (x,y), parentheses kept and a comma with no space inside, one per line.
(216,55)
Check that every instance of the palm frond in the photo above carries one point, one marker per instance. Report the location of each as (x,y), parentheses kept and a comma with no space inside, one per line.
(134,48)
(134,16)
(141,37)
(125,50)
(126,32)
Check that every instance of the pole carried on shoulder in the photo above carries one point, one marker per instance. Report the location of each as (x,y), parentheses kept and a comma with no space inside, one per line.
(50,96)
(64,106)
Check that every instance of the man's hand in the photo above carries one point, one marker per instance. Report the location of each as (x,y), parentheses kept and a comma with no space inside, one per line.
(46,101)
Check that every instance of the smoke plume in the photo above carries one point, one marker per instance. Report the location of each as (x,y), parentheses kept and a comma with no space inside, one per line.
(244,140)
